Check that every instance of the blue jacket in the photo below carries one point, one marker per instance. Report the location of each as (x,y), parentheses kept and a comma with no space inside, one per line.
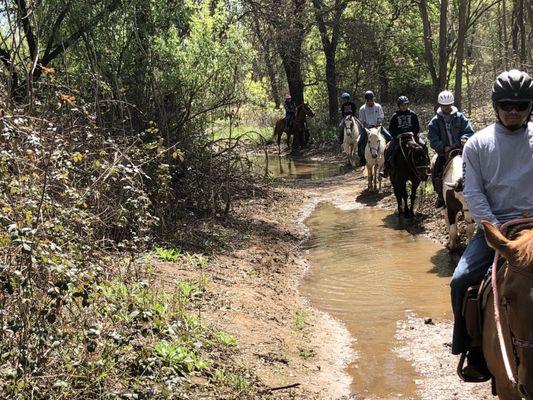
(460,128)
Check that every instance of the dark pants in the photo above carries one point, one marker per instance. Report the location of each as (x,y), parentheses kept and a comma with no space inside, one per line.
(436,175)
(288,120)
(362,142)
(470,270)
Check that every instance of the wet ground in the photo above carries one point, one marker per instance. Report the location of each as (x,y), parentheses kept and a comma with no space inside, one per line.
(297,168)
(369,274)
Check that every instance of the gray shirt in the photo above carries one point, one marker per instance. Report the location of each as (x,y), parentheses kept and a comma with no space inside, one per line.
(498,172)
(371,116)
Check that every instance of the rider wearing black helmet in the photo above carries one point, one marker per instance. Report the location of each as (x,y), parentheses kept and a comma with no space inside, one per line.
(498,166)
(404,120)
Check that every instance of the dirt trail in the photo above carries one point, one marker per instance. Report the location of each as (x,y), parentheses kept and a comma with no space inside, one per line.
(254,296)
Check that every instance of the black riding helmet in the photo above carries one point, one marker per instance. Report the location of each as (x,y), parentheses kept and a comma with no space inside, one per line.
(402,100)
(512,86)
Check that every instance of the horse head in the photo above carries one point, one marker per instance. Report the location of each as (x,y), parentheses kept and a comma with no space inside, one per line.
(415,154)
(515,296)
(375,142)
(307,109)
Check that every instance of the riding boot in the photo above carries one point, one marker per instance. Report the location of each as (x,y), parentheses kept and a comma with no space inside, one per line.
(437,186)
(476,369)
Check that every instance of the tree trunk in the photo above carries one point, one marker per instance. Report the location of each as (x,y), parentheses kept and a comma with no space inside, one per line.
(463,10)
(330,47)
(428,38)
(443,42)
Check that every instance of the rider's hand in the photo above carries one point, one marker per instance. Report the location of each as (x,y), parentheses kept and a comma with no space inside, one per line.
(447,149)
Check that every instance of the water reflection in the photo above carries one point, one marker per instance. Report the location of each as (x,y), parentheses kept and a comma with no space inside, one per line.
(368,274)
(297,168)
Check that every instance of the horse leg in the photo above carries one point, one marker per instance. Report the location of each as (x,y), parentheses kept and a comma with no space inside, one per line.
(405,197)
(379,182)
(414,187)
(369,173)
(398,195)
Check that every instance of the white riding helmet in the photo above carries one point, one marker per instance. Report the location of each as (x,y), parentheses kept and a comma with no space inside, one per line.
(445,98)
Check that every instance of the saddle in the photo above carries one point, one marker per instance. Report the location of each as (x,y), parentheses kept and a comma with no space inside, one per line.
(476,299)
(449,157)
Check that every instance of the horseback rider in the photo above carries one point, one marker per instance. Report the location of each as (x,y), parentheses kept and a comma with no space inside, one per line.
(371,116)
(498,171)
(290,111)
(347,108)
(404,120)
(446,131)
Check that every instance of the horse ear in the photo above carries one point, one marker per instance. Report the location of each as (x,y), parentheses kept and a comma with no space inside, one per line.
(498,242)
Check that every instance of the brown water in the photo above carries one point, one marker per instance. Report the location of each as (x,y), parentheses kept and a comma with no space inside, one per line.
(295,168)
(368,273)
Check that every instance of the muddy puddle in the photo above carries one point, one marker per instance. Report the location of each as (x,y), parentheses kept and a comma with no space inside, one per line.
(296,168)
(368,273)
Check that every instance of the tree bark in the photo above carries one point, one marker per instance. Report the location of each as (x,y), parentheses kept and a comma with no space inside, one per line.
(330,48)
(443,42)
(463,12)
(428,38)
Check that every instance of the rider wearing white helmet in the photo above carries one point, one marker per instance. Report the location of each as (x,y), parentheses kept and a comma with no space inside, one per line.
(445,132)
(498,166)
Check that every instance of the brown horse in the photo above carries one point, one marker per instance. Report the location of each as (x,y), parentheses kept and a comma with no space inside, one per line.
(508,316)
(298,127)
(410,163)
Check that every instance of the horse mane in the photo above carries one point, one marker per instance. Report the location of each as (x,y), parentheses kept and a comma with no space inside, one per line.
(523,246)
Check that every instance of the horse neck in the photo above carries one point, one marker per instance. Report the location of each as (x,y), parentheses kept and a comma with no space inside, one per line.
(300,113)
(455,170)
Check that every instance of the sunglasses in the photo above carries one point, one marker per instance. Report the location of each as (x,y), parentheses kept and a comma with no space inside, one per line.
(508,106)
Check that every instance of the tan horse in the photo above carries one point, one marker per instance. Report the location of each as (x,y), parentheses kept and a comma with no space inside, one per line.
(508,345)
(296,129)
(375,157)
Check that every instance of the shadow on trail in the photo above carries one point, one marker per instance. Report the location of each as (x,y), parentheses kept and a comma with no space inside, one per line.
(371,198)
(413,225)
(444,263)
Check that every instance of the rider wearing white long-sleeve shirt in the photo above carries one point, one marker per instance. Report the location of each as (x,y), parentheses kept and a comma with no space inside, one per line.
(498,173)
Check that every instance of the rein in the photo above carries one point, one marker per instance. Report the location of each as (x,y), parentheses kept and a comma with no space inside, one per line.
(380,138)
(410,161)
(515,342)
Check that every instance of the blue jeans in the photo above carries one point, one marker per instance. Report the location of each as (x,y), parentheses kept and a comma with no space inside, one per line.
(470,270)
(362,142)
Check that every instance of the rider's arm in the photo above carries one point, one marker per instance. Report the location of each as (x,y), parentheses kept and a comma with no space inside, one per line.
(474,190)
(393,126)
(466,127)
(416,124)
(435,140)
(362,116)
(381,115)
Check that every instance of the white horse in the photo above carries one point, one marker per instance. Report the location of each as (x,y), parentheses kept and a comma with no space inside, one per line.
(454,199)
(374,156)
(351,135)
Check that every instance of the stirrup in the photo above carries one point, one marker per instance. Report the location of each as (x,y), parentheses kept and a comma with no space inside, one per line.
(462,372)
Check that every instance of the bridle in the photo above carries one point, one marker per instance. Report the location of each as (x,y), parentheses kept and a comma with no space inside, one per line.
(410,159)
(375,150)
(351,130)
(515,342)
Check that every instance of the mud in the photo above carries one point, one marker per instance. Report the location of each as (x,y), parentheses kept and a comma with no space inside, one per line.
(253,286)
